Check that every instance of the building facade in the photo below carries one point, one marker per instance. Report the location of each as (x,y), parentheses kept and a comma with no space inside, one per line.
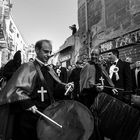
(68,53)
(15,40)
(31,52)
(11,39)
(110,24)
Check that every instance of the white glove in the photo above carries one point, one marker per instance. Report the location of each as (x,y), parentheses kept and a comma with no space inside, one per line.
(99,87)
(33,109)
(70,85)
(115,91)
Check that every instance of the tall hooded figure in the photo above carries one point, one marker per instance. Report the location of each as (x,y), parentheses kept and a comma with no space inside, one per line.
(12,66)
(7,114)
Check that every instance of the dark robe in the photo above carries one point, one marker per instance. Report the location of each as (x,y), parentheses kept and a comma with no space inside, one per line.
(75,77)
(21,92)
(90,76)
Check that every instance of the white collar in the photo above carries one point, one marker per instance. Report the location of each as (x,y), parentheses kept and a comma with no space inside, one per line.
(39,61)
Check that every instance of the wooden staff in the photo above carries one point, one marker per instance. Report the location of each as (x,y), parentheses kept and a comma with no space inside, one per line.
(109,87)
(48,118)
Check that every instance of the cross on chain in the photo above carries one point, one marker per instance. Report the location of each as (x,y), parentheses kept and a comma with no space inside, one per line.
(102,80)
(42,91)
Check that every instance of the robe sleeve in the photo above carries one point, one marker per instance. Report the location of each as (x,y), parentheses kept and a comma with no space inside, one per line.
(87,76)
(20,85)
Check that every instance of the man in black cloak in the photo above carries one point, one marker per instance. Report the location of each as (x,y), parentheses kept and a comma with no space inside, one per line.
(24,88)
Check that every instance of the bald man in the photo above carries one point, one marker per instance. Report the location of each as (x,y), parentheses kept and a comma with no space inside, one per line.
(33,87)
(91,75)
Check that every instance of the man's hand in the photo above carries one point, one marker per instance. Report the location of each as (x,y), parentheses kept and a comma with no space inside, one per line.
(33,109)
(69,87)
(99,87)
(115,91)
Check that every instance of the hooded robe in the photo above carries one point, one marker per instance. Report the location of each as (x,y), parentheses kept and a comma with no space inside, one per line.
(20,89)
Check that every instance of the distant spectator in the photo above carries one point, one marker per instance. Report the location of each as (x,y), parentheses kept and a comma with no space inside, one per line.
(75,77)
(61,72)
(136,78)
(129,60)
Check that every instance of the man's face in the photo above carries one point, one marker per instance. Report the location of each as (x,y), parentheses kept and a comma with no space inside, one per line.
(111,57)
(44,53)
(129,60)
(95,55)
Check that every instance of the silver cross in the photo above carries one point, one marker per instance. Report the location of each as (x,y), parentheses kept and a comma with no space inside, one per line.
(102,80)
(42,91)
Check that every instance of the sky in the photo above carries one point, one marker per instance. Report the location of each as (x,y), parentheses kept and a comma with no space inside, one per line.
(45,19)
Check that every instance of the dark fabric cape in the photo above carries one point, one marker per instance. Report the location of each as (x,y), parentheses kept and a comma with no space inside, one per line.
(19,87)
(116,119)
(22,84)
(88,75)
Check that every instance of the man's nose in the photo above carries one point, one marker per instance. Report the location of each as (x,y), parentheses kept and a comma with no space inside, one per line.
(48,54)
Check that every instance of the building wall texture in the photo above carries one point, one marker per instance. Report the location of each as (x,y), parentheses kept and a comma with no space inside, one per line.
(107,19)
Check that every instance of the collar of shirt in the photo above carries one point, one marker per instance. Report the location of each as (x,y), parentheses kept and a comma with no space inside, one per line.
(40,62)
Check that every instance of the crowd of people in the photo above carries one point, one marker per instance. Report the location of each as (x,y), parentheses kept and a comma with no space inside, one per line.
(20,94)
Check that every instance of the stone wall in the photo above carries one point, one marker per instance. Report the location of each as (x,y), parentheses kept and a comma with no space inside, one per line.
(107,19)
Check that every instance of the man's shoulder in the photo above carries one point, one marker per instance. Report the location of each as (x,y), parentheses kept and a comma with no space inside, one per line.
(28,64)
(88,67)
